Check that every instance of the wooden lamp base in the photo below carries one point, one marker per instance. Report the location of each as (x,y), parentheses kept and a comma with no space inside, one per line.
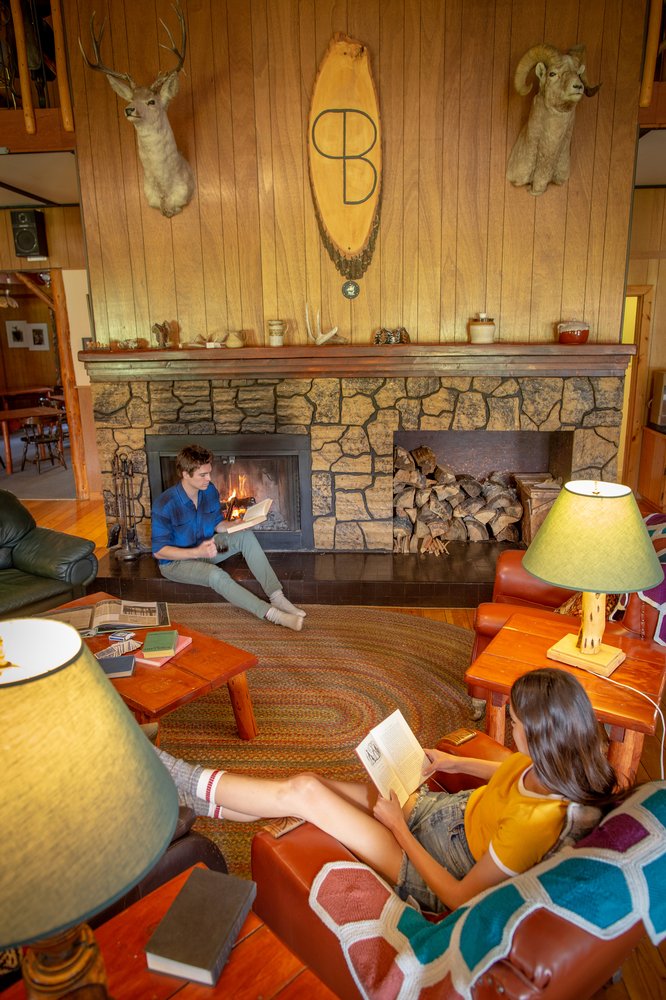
(604,661)
(586,650)
(56,966)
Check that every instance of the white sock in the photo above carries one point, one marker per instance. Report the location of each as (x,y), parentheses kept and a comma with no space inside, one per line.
(206,785)
(278,600)
(284,618)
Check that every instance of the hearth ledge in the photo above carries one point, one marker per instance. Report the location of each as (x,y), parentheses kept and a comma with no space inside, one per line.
(344,361)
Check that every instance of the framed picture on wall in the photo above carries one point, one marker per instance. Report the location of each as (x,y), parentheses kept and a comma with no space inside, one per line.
(16,333)
(38,336)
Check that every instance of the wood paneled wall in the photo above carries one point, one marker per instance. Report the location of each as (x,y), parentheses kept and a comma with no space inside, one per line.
(20,366)
(64,239)
(454,238)
(647,262)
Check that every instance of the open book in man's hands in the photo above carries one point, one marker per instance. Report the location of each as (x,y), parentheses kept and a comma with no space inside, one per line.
(393,757)
(255,514)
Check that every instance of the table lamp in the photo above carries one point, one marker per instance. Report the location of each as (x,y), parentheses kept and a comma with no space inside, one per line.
(593,539)
(86,809)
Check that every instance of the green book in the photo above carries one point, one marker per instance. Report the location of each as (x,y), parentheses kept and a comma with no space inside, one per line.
(158,644)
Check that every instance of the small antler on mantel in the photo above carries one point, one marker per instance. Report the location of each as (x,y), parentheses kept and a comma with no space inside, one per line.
(321,338)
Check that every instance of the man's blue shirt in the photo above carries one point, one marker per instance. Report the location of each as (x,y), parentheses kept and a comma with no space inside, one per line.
(176,521)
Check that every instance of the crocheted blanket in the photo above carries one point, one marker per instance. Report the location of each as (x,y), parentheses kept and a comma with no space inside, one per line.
(604,884)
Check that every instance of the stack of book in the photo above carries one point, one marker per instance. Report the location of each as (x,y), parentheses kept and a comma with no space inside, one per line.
(160,647)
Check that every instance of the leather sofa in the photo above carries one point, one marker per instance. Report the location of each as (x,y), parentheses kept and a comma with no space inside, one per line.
(549,957)
(515,589)
(39,568)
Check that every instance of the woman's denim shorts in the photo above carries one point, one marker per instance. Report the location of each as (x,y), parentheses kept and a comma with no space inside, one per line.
(438,823)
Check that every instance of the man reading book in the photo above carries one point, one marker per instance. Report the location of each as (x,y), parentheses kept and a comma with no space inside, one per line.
(190,540)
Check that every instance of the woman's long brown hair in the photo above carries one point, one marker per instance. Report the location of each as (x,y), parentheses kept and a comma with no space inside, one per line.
(563,737)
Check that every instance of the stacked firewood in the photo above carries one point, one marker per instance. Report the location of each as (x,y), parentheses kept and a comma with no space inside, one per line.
(432,505)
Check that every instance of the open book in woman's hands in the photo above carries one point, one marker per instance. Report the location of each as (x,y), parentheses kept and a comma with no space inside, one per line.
(393,757)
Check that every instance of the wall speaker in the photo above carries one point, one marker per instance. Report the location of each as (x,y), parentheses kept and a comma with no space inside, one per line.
(29,229)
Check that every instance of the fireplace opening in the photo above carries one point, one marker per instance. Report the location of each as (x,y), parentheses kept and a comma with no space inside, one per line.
(251,466)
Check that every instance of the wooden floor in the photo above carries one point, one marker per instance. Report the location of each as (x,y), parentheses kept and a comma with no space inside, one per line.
(644,973)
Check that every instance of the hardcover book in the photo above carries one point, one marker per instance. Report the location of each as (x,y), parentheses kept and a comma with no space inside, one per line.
(158,661)
(117,666)
(195,936)
(252,516)
(157,644)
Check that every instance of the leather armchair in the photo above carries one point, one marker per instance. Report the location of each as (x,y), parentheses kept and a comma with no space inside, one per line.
(39,568)
(549,956)
(516,589)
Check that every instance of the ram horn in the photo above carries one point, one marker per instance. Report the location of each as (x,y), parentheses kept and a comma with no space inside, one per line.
(537,54)
(578,52)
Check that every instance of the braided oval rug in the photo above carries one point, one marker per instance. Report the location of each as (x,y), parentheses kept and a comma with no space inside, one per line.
(316,693)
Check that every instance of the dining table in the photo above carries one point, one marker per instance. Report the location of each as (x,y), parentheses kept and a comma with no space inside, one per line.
(6,416)
(25,390)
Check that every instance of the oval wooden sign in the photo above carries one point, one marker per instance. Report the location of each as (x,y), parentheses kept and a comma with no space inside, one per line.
(345,155)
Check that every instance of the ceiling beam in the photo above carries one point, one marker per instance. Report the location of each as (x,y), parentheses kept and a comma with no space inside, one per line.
(4,186)
(35,288)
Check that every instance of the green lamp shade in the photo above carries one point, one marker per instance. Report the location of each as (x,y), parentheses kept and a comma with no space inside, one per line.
(594,539)
(87,807)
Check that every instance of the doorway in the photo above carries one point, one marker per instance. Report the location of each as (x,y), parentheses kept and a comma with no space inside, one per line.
(37,357)
(636,330)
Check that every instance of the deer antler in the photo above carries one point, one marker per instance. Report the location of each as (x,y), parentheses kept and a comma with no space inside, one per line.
(98,64)
(321,338)
(178,52)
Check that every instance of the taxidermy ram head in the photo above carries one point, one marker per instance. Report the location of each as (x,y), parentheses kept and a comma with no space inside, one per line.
(168,182)
(541,155)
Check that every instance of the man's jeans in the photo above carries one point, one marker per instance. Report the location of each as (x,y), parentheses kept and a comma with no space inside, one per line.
(207,572)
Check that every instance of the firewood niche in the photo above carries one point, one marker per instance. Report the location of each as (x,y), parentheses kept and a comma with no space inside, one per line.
(433,506)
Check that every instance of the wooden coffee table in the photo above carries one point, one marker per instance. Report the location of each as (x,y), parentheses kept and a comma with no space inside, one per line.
(203,666)
(259,964)
(521,646)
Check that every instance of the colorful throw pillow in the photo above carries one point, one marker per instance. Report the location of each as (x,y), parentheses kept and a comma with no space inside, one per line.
(574,605)
(605,884)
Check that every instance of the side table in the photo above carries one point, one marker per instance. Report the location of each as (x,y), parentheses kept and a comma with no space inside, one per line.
(259,964)
(521,646)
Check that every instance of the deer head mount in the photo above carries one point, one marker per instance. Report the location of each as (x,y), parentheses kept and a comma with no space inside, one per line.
(168,182)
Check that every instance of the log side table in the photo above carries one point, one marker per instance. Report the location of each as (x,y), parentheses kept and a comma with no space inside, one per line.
(521,646)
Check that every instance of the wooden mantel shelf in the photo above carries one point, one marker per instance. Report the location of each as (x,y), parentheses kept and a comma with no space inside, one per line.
(344,361)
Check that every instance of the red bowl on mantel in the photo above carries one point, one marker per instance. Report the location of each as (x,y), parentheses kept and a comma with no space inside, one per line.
(572,333)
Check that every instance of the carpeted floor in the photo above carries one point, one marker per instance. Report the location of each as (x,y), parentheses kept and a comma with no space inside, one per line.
(317,692)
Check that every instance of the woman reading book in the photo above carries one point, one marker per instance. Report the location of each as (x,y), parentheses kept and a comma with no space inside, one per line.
(442,848)
(190,539)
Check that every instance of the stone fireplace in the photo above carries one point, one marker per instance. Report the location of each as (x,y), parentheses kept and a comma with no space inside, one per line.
(346,405)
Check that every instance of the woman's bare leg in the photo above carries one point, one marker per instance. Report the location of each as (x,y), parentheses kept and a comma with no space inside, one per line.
(339,809)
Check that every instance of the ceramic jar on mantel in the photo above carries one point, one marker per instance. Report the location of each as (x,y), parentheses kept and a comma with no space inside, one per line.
(482,329)
(276,332)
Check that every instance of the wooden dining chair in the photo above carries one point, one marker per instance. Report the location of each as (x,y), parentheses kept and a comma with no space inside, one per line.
(43,441)
(58,406)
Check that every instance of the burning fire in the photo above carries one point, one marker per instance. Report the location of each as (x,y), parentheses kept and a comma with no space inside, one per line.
(236,501)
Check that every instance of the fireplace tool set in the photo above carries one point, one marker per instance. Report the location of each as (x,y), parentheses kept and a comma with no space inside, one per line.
(123,538)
